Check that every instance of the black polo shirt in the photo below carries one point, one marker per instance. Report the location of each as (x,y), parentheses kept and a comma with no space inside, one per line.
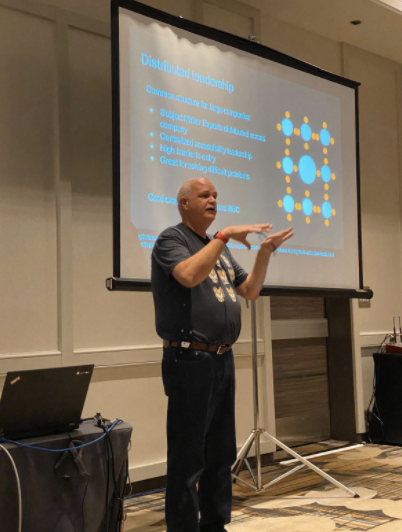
(209,312)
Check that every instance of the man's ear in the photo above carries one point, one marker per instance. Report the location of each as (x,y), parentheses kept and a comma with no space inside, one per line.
(184,203)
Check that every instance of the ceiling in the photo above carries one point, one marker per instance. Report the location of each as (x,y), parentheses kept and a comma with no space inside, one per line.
(380,31)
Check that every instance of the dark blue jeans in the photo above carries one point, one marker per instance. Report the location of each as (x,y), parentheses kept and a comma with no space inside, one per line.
(201,439)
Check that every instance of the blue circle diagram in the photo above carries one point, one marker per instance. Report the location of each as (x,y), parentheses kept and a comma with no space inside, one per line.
(288,203)
(325,137)
(307,206)
(287,165)
(305,131)
(326,209)
(307,169)
(326,173)
(287,127)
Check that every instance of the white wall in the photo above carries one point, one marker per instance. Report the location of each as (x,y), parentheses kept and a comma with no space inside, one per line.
(56,211)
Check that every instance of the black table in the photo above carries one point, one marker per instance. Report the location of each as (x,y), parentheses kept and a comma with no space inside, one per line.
(58,493)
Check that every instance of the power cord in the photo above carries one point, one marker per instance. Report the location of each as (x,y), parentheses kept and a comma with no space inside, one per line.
(18,487)
(115,422)
(103,423)
(119,496)
(373,410)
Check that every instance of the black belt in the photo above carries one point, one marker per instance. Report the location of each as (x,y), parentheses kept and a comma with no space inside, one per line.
(218,349)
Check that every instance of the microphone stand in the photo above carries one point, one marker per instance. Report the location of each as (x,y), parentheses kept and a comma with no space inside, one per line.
(258,432)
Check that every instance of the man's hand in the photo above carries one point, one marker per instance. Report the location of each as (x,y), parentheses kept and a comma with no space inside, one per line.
(251,287)
(240,232)
(272,242)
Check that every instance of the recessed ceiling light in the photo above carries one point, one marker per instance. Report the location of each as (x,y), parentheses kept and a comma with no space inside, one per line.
(355,22)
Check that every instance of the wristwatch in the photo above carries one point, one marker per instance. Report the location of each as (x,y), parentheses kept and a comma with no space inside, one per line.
(221,236)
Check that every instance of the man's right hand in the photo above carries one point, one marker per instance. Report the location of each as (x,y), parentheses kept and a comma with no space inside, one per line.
(240,232)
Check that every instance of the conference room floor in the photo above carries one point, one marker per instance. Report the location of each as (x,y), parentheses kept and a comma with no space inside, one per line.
(305,502)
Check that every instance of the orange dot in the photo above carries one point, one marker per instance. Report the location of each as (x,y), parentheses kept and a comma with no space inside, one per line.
(278,164)
(333,212)
(332,140)
(326,197)
(307,194)
(278,127)
(325,161)
(287,152)
(327,223)
(324,125)
(315,208)
(306,145)
(318,210)
(288,142)
(297,132)
(299,206)
(287,114)
(305,120)
(318,173)
(307,220)
(333,176)
(295,168)
(326,186)
(325,151)
(280,203)
(288,190)
(287,179)
(289,217)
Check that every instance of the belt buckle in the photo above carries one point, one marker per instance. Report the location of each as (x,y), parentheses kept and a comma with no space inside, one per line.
(186,345)
(221,349)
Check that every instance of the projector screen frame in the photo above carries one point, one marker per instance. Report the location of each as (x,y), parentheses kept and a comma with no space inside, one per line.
(118,283)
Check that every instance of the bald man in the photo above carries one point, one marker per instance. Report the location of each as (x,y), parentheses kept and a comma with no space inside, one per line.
(196,284)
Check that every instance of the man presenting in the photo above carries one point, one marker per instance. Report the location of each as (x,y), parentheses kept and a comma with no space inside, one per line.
(195,284)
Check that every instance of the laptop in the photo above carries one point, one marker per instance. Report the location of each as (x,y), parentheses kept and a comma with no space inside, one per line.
(43,401)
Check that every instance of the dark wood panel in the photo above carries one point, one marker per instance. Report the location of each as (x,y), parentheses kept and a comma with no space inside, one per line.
(299,358)
(301,396)
(301,390)
(340,364)
(292,308)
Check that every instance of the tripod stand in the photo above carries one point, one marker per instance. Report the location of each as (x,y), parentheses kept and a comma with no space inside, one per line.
(257,433)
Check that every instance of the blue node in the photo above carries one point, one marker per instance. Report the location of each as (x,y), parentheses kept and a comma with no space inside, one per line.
(288,203)
(307,206)
(151,158)
(287,165)
(151,145)
(307,169)
(305,131)
(325,137)
(287,127)
(151,134)
(326,209)
(326,173)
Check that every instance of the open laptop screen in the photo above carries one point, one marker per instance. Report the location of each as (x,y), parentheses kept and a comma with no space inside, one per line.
(43,401)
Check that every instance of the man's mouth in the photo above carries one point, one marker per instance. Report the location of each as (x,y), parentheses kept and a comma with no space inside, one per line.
(211,209)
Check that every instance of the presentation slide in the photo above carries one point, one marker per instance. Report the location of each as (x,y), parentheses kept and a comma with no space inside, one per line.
(278,143)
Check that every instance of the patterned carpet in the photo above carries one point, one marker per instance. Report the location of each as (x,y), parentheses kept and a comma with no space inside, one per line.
(304,502)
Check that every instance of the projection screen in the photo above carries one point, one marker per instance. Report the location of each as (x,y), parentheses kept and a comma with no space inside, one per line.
(276,136)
